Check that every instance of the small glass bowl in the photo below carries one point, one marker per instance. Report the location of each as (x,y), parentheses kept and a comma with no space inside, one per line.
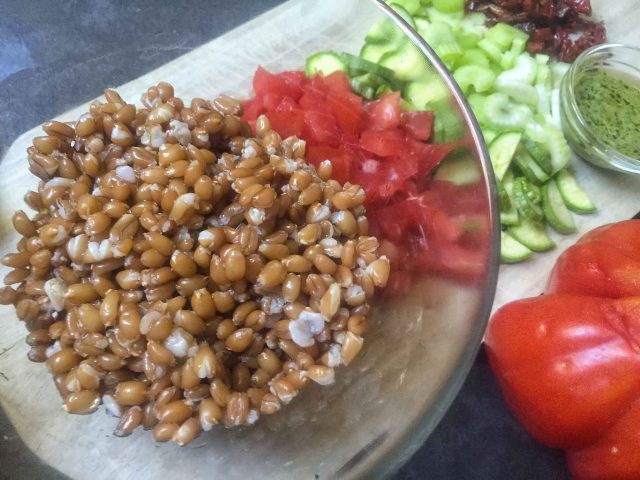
(620,58)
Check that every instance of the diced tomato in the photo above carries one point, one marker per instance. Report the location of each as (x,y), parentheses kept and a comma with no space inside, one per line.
(338,82)
(271,101)
(384,143)
(321,128)
(429,155)
(312,99)
(287,104)
(287,123)
(265,82)
(419,221)
(383,113)
(293,78)
(340,161)
(252,109)
(347,109)
(417,124)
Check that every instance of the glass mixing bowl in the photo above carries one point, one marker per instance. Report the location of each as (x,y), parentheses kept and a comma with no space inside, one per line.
(418,350)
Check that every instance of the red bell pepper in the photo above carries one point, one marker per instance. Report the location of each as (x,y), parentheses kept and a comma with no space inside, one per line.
(568,362)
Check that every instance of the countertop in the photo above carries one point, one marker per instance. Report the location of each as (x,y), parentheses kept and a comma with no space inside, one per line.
(44,44)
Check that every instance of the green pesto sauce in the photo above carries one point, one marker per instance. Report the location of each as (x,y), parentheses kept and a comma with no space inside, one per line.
(610,106)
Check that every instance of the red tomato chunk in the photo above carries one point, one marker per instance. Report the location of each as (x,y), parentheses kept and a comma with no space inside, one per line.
(380,147)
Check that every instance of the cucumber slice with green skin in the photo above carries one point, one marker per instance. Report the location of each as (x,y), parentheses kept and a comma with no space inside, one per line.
(539,153)
(324,63)
(502,150)
(532,235)
(424,94)
(406,16)
(358,65)
(383,32)
(525,202)
(510,216)
(362,87)
(407,62)
(411,6)
(422,25)
(373,52)
(530,168)
(558,148)
(574,197)
(512,251)
(459,169)
(555,211)
(503,196)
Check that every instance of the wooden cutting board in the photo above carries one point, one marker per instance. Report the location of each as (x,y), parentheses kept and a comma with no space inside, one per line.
(225,65)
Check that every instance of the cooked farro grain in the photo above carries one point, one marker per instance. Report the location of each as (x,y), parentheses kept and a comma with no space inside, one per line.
(183,273)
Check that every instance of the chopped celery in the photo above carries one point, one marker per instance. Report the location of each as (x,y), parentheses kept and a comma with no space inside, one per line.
(474,56)
(505,115)
(518,91)
(503,35)
(491,49)
(478,105)
(524,70)
(481,79)
(449,6)
(452,19)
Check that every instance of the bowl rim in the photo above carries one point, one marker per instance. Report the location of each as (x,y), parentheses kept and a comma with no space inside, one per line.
(413,436)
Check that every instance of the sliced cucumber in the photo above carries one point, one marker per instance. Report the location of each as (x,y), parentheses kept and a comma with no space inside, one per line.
(532,235)
(555,211)
(502,150)
(373,52)
(411,6)
(424,94)
(527,200)
(529,167)
(406,16)
(363,87)
(459,168)
(512,251)
(503,196)
(383,32)
(558,148)
(573,196)
(509,217)
(539,153)
(422,25)
(324,63)
(358,66)
(407,62)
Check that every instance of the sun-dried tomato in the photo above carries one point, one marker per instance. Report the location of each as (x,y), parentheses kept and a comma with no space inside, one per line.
(561,28)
